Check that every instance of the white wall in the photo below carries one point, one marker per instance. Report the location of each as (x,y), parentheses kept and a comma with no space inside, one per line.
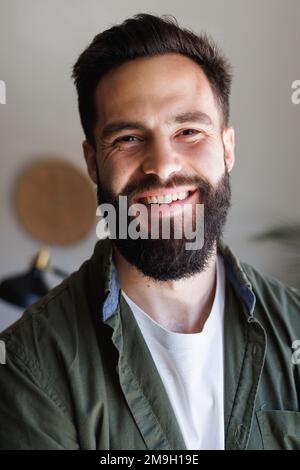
(41,39)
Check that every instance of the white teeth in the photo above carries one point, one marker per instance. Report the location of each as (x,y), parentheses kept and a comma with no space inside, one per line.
(167,198)
(151,199)
(182,195)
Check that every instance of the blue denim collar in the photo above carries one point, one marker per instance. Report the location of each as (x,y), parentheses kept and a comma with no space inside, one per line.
(233,268)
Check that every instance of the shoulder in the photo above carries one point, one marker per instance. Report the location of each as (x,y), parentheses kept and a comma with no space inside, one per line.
(64,311)
(277,304)
(271,287)
(48,335)
(46,325)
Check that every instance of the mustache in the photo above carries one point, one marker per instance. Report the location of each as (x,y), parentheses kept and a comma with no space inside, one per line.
(152,182)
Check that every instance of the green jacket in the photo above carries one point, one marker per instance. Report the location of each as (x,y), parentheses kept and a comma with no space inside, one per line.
(78,374)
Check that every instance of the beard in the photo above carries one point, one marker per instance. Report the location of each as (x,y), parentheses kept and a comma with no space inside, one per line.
(168,259)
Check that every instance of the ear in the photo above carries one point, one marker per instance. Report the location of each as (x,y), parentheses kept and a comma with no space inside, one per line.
(90,159)
(229,145)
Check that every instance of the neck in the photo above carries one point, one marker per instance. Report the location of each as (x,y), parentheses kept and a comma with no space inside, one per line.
(181,305)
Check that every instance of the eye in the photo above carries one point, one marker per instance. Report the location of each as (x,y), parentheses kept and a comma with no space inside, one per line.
(189,131)
(190,136)
(125,138)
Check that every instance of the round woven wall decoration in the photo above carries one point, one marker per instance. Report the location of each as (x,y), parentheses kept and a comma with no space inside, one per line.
(56,202)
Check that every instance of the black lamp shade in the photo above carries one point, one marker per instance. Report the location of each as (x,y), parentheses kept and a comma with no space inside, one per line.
(24,289)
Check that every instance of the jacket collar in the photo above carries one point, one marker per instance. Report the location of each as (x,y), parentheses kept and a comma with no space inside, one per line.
(233,268)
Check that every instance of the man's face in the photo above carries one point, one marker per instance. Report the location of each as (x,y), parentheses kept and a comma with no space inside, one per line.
(160,127)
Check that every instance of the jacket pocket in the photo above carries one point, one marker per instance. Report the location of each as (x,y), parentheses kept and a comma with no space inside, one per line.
(279,429)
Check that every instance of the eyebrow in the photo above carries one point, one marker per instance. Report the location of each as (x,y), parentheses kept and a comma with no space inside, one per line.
(189,116)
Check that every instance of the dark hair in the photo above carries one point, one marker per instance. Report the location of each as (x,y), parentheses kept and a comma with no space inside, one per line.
(146,35)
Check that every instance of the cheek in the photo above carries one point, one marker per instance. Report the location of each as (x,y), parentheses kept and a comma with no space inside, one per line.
(114,174)
(208,160)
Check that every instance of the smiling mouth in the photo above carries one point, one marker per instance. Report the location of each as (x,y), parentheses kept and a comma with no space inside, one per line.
(170,199)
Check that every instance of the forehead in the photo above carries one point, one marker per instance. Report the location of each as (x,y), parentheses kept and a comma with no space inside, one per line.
(154,87)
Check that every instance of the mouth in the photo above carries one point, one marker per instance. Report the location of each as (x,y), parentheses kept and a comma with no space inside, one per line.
(167,198)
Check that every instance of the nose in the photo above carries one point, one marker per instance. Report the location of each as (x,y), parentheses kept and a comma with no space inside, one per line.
(161,160)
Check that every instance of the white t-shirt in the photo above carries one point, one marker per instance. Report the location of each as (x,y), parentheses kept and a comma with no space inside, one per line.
(192,370)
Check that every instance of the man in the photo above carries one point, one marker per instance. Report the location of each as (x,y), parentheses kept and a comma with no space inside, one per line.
(151,345)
